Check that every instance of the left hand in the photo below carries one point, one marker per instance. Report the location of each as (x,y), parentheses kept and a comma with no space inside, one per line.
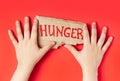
(27,50)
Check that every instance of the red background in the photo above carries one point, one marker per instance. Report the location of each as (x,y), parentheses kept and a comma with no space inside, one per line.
(60,65)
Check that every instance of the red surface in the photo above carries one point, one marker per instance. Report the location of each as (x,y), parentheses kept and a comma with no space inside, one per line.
(60,65)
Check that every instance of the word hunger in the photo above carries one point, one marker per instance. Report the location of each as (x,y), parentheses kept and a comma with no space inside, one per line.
(55,31)
(59,30)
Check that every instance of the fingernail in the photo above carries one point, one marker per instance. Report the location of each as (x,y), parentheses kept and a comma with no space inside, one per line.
(17,22)
(9,31)
(105,28)
(35,20)
(52,42)
(94,23)
(111,37)
(84,25)
(26,18)
(66,46)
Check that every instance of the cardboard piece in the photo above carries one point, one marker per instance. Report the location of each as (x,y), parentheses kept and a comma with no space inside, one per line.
(59,30)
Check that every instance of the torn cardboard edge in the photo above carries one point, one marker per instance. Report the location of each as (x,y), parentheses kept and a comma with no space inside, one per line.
(59,30)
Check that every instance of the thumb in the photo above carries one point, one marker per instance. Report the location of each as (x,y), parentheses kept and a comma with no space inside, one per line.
(46,48)
(72,50)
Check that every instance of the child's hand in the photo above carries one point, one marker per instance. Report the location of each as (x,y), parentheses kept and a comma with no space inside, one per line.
(93,51)
(27,50)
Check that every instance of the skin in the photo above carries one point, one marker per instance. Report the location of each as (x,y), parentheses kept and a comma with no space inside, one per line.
(28,52)
(92,53)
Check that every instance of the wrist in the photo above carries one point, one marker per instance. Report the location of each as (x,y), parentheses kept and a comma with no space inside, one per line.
(22,73)
(90,74)
(25,67)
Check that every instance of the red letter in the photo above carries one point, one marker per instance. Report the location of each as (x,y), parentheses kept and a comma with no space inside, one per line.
(73,32)
(43,30)
(58,31)
(66,33)
(51,30)
(79,33)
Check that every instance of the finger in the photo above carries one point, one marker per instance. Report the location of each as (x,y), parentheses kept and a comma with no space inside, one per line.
(34,30)
(102,37)
(86,35)
(72,50)
(19,32)
(14,41)
(46,48)
(94,33)
(107,44)
(26,28)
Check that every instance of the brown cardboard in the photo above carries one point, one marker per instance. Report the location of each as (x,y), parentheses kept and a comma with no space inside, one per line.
(59,30)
